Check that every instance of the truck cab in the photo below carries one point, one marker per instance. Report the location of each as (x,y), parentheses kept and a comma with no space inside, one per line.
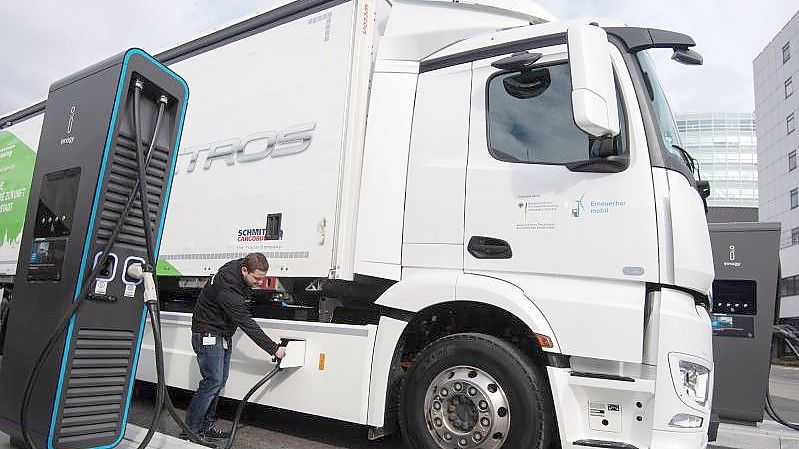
(546,180)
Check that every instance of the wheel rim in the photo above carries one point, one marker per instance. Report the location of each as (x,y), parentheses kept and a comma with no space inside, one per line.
(465,408)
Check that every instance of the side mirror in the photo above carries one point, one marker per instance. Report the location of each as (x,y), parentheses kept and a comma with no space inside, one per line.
(593,87)
(703,187)
(687,56)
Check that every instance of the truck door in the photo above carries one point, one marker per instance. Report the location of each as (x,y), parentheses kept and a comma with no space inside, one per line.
(544,211)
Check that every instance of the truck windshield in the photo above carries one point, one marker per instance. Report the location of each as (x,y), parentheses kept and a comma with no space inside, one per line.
(668,129)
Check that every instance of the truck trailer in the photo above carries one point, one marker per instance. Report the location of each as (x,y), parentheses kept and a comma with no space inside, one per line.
(478,219)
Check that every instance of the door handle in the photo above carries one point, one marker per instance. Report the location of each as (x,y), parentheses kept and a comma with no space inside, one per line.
(489,248)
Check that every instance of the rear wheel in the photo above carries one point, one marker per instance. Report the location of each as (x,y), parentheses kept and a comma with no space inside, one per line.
(475,391)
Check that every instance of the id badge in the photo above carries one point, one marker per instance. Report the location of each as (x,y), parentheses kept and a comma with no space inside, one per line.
(209,341)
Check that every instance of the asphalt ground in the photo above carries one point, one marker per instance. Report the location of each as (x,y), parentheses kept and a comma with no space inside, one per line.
(784,388)
(266,427)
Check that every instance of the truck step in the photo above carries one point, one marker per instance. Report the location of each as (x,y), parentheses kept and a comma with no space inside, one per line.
(612,382)
(602,376)
(603,443)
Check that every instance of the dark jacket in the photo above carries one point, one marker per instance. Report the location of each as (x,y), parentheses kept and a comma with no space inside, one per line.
(221,307)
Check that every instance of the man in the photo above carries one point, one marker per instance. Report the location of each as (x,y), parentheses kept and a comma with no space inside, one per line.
(220,309)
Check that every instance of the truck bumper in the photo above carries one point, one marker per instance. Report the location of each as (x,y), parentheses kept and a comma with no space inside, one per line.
(647,406)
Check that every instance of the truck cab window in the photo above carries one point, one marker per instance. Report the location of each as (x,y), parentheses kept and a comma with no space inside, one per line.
(669,135)
(530,119)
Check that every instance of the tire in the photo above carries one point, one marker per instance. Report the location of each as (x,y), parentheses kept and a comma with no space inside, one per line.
(498,374)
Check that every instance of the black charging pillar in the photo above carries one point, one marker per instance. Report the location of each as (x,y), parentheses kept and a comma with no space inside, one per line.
(84,178)
(746,258)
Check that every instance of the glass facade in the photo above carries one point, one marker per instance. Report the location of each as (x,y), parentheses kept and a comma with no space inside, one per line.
(725,145)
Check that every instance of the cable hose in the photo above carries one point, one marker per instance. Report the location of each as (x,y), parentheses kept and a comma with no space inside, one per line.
(784,333)
(243,403)
(142,159)
(162,393)
(159,401)
(144,201)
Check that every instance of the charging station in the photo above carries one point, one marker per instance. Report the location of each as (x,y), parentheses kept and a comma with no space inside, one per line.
(78,315)
(746,258)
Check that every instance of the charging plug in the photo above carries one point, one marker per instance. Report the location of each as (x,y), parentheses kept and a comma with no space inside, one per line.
(295,354)
(135,271)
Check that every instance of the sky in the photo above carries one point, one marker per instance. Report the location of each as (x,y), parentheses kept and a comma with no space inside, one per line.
(42,41)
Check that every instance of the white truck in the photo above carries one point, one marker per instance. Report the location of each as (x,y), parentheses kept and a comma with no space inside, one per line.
(478,220)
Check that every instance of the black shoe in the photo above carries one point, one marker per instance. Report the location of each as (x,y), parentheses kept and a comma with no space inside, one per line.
(216,434)
(185,436)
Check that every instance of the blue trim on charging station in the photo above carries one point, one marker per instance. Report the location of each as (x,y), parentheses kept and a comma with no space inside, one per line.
(111,127)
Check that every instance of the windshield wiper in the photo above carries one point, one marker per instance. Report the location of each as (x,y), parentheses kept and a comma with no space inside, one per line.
(689,160)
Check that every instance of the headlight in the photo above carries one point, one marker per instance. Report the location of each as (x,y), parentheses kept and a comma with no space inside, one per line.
(686,421)
(693,382)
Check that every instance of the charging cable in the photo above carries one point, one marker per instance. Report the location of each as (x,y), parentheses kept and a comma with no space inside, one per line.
(787,335)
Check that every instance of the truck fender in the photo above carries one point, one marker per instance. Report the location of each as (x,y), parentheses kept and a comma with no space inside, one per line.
(420,291)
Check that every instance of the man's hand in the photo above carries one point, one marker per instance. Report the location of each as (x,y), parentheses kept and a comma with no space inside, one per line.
(281,352)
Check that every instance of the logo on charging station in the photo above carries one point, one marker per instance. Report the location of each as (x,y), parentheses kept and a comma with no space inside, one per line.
(732,263)
(69,138)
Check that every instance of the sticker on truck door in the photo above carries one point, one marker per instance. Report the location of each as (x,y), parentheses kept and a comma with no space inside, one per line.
(537,213)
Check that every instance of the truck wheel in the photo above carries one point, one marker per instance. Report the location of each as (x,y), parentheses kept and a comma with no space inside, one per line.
(469,391)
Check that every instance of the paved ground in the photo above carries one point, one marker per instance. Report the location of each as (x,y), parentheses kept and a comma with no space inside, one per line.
(766,435)
(269,428)
(133,438)
(784,387)
(266,427)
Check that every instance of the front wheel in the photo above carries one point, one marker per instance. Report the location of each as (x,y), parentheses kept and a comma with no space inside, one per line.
(475,391)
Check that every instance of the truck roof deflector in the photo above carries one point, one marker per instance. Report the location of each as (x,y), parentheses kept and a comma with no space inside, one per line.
(637,39)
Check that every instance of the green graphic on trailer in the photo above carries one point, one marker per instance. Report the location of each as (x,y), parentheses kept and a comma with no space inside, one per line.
(16,169)
(164,268)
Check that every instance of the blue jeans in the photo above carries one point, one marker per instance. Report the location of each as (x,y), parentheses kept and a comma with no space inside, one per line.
(214,361)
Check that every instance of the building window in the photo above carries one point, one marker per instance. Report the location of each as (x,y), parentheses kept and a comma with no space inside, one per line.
(788,87)
(794,236)
(789,123)
(792,160)
(786,52)
(788,286)
(794,198)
